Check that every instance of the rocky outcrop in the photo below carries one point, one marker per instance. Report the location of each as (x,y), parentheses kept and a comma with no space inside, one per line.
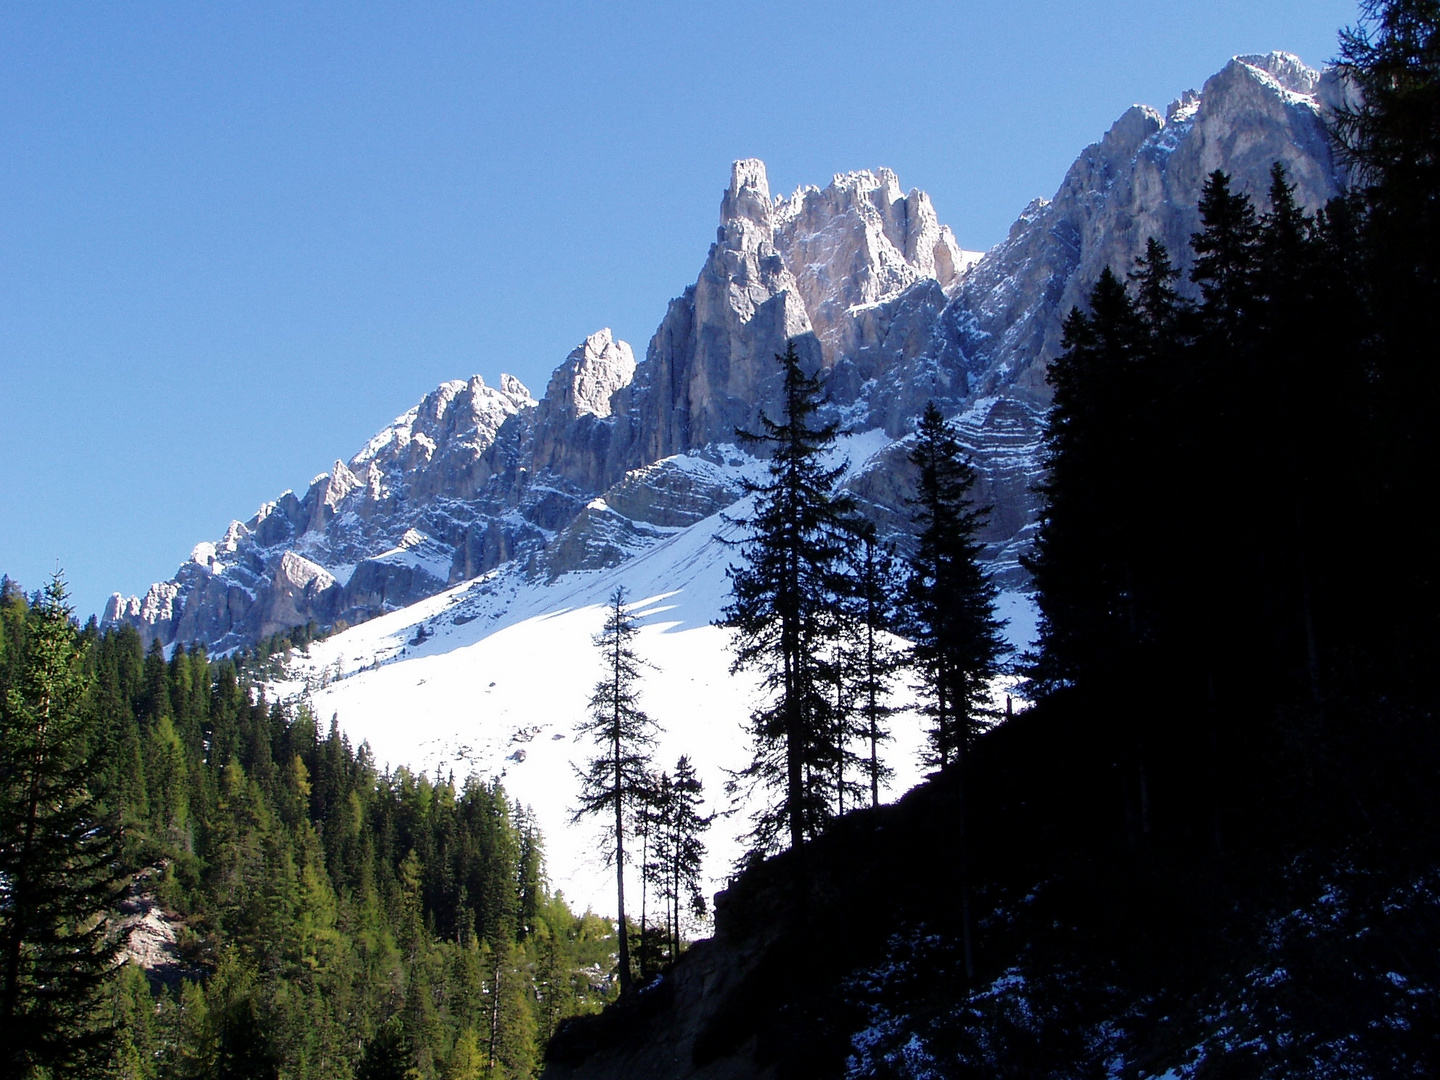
(858,243)
(417,567)
(1142,179)
(299,592)
(574,426)
(645,505)
(1003,438)
(710,366)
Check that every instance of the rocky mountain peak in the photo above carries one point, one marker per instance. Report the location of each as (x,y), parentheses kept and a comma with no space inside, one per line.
(748,197)
(1119,145)
(1287,69)
(330,490)
(589,377)
(1182,109)
(1142,179)
(861,241)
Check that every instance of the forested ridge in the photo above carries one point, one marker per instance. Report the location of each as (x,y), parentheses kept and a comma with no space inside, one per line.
(333,920)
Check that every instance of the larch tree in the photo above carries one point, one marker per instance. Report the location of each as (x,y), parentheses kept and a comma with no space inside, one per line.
(615,781)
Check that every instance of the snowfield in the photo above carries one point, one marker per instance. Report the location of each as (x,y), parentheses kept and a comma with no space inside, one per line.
(490,677)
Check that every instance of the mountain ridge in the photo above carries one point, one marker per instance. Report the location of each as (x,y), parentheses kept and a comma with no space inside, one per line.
(875,290)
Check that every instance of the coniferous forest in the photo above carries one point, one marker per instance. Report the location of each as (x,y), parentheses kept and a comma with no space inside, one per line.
(1210,845)
(332,920)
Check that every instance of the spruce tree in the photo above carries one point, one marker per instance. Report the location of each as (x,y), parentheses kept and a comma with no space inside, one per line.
(1159,304)
(1389,133)
(678,849)
(951,617)
(614,782)
(687,846)
(1084,559)
(783,612)
(59,859)
(1226,257)
(950,599)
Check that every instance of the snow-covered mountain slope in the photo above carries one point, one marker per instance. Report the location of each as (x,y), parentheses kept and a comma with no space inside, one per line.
(490,676)
(475,539)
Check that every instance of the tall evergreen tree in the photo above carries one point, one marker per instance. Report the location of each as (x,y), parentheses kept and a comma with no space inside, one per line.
(614,782)
(950,600)
(951,617)
(1084,560)
(1389,133)
(1226,256)
(783,612)
(60,869)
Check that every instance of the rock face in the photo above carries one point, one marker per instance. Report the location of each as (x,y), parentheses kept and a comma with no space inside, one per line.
(1142,179)
(858,243)
(710,365)
(872,289)
(573,428)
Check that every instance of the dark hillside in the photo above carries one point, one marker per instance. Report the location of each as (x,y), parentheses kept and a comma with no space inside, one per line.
(1099,945)
(1212,848)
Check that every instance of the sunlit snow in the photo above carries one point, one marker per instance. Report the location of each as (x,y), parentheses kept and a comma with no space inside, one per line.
(491,676)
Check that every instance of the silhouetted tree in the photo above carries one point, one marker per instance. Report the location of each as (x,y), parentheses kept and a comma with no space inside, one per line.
(783,611)
(614,782)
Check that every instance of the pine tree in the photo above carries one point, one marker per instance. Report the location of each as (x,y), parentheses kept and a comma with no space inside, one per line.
(135,1050)
(1084,557)
(684,850)
(677,852)
(783,613)
(59,859)
(1160,305)
(1226,257)
(614,782)
(649,822)
(511,1048)
(1389,132)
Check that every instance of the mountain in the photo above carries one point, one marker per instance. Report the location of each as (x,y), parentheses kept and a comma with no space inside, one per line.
(1143,179)
(476,536)
(863,275)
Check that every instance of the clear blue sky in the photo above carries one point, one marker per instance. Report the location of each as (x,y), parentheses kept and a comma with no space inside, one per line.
(237,239)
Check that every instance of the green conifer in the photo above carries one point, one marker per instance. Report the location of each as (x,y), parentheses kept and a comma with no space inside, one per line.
(59,859)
